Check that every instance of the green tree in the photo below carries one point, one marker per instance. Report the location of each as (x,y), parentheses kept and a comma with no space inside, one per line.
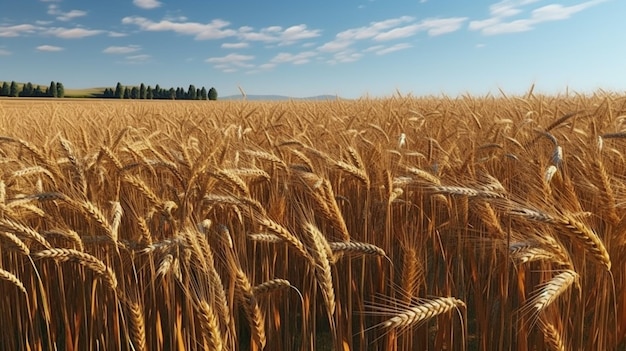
(212,94)
(126,93)
(119,91)
(134,93)
(157,93)
(38,92)
(52,90)
(172,94)
(203,94)
(142,91)
(191,92)
(60,90)
(5,89)
(27,90)
(13,90)
(149,93)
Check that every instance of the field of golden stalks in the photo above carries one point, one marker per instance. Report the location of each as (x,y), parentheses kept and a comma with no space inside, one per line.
(491,223)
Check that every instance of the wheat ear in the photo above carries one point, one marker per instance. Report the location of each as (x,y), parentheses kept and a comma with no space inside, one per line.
(415,315)
(245,293)
(321,262)
(210,326)
(10,277)
(20,229)
(553,289)
(271,286)
(84,259)
(552,336)
(137,325)
(587,238)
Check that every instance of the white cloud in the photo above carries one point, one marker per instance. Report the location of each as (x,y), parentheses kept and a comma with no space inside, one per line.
(374,48)
(433,26)
(393,48)
(4,52)
(65,16)
(373,29)
(439,26)
(201,31)
(147,4)
(517,26)
(17,30)
(556,12)
(500,12)
(68,16)
(235,45)
(343,40)
(231,62)
(299,32)
(335,45)
(397,33)
(122,49)
(296,59)
(345,57)
(392,29)
(49,48)
(138,58)
(276,34)
(72,33)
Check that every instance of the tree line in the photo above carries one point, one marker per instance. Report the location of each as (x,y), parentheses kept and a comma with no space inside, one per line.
(28,90)
(147,92)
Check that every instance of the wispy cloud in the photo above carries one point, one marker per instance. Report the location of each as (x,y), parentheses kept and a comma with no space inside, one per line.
(219,29)
(17,30)
(117,34)
(147,4)
(5,52)
(122,49)
(72,33)
(393,48)
(278,34)
(49,48)
(392,29)
(65,16)
(345,57)
(215,29)
(235,45)
(137,59)
(231,62)
(296,59)
(501,12)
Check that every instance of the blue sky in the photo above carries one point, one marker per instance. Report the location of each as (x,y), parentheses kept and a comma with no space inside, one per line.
(302,48)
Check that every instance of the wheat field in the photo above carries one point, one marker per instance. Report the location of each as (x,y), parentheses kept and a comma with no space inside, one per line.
(404,223)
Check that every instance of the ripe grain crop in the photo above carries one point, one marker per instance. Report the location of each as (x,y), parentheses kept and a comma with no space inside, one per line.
(404,223)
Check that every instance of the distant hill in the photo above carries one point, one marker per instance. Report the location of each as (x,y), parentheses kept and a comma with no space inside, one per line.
(279,97)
